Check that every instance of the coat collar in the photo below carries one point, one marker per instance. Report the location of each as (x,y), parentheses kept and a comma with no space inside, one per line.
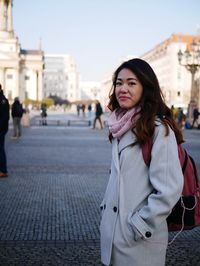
(126,140)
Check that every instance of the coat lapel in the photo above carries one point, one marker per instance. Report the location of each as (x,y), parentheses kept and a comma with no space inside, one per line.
(127,139)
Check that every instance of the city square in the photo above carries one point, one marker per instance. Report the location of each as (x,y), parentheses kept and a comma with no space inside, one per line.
(50,201)
(63,67)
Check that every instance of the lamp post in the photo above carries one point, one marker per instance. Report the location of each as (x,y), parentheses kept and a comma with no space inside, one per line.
(190,59)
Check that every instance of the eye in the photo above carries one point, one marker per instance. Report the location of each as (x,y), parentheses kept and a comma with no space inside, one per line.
(131,83)
(118,83)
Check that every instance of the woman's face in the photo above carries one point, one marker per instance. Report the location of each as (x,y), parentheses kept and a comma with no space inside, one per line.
(128,90)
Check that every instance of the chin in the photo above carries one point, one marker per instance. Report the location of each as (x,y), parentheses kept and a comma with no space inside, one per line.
(125,106)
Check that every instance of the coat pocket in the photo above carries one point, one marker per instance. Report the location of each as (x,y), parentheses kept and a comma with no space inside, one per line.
(136,234)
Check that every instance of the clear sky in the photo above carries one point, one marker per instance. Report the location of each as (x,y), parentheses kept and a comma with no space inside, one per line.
(99,33)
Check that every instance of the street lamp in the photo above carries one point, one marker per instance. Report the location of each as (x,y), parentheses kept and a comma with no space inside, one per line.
(190,59)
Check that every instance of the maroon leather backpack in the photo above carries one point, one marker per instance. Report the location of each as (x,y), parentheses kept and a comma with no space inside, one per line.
(186,213)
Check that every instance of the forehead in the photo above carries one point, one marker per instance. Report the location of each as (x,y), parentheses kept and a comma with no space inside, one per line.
(126,73)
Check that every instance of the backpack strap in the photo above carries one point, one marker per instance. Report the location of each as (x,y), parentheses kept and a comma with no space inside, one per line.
(185,161)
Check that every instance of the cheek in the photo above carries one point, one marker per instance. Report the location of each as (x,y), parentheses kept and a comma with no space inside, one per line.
(116,92)
(138,93)
(141,92)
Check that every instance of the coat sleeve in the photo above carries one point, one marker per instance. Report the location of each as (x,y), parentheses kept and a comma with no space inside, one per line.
(166,178)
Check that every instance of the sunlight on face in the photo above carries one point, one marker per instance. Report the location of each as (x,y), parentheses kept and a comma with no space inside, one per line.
(128,89)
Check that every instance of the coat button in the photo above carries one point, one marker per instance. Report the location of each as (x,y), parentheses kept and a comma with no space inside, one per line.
(115,209)
(101,208)
(104,206)
(148,234)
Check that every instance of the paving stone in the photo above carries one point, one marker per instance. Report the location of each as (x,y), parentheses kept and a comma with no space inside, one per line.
(49,208)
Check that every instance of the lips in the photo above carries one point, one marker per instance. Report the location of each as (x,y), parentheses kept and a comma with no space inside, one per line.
(123,98)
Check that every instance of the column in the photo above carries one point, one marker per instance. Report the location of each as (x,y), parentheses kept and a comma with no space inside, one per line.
(3,15)
(39,85)
(9,21)
(17,92)
(2,79)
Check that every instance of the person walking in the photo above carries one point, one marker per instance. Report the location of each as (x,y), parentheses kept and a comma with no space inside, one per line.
(180,118)
(196,114)
(139,198)
(4,118)
(98,114)
(44,114)
(174,111)
(90,114)
(83,109)
(89,109)
(17,112)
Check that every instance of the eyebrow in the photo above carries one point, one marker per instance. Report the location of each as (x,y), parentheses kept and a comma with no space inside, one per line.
(127,79)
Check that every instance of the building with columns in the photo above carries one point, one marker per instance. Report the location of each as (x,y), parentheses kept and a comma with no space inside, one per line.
(21,71)
(174,79)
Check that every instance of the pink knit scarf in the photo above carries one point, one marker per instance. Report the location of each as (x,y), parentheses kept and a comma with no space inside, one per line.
(121,120)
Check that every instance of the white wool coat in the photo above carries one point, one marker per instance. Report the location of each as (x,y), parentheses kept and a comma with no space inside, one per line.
(138,200)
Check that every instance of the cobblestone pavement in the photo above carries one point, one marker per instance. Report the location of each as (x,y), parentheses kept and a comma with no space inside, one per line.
(49,208)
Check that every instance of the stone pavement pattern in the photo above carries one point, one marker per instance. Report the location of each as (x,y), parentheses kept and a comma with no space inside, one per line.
(49,208)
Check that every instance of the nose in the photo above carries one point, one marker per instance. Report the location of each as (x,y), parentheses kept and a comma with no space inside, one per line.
(124,87)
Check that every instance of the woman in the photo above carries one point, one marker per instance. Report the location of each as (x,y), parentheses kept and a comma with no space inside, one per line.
(138,197)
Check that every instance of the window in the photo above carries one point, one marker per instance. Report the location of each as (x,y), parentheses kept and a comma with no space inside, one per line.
(9,76)
(26,77)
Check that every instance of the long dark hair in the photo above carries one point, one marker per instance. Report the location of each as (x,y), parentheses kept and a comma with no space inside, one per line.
(152,102)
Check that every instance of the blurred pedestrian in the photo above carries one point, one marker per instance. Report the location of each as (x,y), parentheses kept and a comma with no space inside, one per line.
(89,108)
(139,198)
(44,114)
(174,112)
(17,112)
(180,117)
(90,114)
(98,113)
(4,118)
(83,109)
(89,111)
(195,117)
(78,108)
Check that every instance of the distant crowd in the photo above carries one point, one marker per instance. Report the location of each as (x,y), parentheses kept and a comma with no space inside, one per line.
(182,119)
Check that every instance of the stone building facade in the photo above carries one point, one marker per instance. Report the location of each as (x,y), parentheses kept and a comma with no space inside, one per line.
(174,79)
(61,77)
(21,71)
